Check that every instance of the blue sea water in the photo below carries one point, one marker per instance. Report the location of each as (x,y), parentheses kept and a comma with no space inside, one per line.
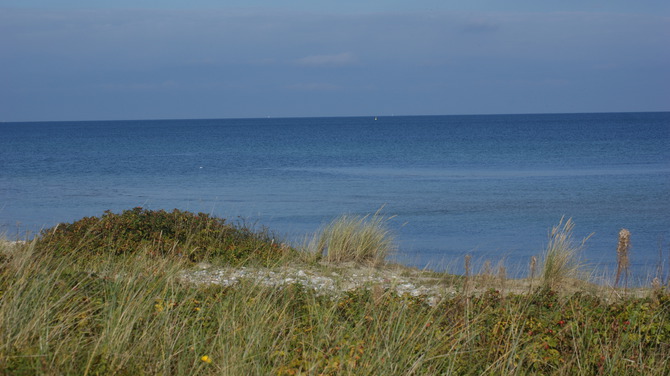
(490,186)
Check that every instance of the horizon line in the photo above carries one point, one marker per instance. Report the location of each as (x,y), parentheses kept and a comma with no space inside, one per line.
(326,117)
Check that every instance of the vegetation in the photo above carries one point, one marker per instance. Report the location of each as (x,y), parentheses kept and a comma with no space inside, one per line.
(82,307)
(159,233)
(561,258)
(354,239)
(622,256)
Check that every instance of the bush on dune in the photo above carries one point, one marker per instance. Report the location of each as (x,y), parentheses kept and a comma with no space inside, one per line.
(160,233)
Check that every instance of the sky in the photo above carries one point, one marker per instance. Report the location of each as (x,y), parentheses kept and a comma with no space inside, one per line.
(190,59)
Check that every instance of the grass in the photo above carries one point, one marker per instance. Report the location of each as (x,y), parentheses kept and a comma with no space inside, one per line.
(361,239)
(561,260)
(103,313)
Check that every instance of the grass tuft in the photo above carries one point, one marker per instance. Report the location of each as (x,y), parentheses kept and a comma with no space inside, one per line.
(561,260)
(361,239)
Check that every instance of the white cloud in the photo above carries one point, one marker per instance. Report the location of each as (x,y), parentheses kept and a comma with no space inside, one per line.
(481,26)
(313,86)
(345,58)
(140,86)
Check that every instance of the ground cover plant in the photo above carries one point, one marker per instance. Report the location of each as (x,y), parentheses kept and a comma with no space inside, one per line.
(73,311)
(172,234)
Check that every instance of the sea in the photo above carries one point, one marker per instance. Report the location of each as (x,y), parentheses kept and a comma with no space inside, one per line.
(488,186)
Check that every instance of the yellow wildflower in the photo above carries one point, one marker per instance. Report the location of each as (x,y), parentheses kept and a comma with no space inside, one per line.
(206,359)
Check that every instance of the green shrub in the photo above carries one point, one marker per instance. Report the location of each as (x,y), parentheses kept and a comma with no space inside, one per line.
(160,233)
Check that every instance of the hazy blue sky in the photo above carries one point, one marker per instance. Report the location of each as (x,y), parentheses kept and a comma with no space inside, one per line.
(158,59)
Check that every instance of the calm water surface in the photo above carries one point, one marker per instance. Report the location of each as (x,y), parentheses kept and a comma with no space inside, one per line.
(490,186)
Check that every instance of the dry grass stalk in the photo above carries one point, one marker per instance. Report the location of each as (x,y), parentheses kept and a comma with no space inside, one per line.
(623,263)
(660,272)
(502,272)
(468,272)
(502,276)
(533,269)
(656,284)
(561,258)
(486,272)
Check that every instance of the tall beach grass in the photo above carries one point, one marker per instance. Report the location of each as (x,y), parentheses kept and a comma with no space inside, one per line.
(83,313)
(350,238)
(561,260)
